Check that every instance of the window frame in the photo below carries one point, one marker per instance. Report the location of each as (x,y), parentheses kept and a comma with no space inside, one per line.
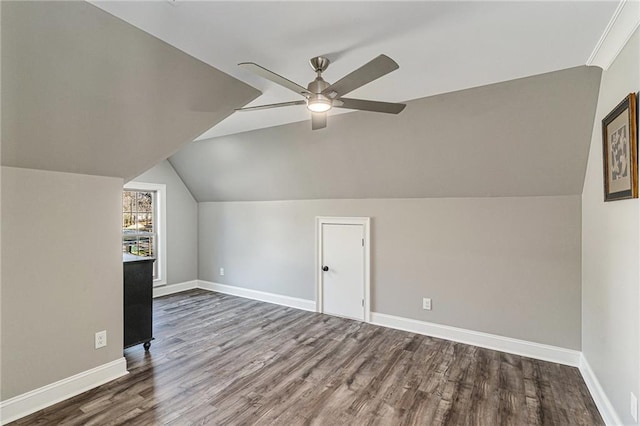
(161,224)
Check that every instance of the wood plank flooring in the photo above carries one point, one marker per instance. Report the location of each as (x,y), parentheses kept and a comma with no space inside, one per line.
(225,360)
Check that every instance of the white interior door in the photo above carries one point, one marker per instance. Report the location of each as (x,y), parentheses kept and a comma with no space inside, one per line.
(343,270)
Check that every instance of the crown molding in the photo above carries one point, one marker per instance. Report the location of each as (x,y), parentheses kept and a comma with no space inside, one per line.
(623,23)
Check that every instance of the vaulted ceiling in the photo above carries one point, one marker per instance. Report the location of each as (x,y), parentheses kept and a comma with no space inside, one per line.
(525,137)
(84,92)
(441,46)
(499,100)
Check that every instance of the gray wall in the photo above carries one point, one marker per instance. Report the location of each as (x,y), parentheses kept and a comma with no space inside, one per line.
(182,223)
(610,244)
(85,92)
(508,266)
(1,327)
(61,275)
(526,137)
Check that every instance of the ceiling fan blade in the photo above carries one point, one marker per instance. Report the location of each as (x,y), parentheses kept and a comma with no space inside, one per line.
(268,106)
(318,120)
(272,76)
(364,105)
(370,71)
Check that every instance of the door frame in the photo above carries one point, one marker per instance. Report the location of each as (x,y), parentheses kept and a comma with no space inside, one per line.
(365,222)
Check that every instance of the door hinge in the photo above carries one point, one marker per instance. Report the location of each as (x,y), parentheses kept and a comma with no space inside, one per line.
(363,242)
(363,303)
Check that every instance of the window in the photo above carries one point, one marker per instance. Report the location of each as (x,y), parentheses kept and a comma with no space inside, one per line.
(139,235)
(143,228)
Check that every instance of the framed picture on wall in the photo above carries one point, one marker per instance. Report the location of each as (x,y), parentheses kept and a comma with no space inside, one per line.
(620,151)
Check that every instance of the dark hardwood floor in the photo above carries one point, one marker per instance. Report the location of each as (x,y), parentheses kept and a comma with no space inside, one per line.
(220,359)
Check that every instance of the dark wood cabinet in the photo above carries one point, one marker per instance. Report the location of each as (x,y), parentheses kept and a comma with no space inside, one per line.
(138,299)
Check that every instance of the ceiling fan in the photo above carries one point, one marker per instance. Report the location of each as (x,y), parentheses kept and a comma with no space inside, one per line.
(321,96)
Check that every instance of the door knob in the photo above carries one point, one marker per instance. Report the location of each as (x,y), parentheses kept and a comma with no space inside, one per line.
(325,268)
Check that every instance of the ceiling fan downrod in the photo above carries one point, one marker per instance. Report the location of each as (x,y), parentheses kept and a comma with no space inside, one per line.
(317,101)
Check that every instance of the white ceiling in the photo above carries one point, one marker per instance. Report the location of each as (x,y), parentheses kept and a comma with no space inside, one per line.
(440,46)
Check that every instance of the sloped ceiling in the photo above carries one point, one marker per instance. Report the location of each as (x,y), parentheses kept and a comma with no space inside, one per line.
(525,137)
(84,92)
(441,46)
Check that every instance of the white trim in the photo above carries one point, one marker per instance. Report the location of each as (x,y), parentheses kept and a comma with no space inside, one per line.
(37,399)
(470,337)
(525,348)
(279,299)
(484,340)
(174,288)
(605,407)
(621,27)
(366,223)
(161,221)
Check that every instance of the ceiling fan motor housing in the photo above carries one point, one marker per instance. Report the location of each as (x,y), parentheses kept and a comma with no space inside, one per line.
(317,85)
(316,101)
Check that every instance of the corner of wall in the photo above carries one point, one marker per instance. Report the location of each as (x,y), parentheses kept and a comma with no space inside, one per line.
(168,160)
(611,243)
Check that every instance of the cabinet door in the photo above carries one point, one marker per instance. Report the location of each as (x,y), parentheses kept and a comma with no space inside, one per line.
(138,297)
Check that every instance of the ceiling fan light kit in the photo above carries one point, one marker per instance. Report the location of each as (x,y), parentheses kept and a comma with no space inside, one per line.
(321,96)
(319,103)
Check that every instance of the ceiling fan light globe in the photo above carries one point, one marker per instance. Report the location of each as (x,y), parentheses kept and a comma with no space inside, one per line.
(319,103)
(319,107)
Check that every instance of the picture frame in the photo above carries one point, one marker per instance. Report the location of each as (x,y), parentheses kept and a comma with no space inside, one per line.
(620,150)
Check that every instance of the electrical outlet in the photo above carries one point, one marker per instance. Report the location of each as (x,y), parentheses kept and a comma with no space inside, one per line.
(221,271)
(101,339)
(634,407)
(426,303)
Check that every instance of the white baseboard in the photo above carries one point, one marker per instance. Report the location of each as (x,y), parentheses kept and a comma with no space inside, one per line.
(476,338)
(292,302)
(605,407)
(37,399)
(484,340)
(165,290)
(30,402)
